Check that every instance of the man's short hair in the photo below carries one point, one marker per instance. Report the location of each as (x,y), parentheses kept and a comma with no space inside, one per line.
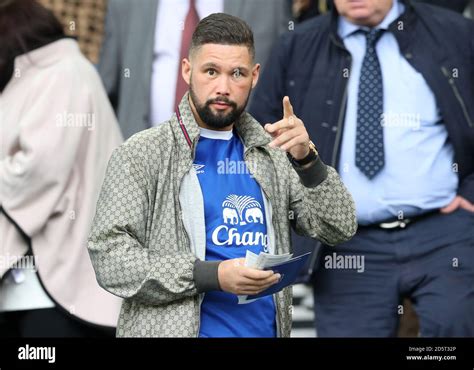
(224,29)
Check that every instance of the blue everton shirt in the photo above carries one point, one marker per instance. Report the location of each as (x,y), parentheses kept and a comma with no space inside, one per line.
(235,222)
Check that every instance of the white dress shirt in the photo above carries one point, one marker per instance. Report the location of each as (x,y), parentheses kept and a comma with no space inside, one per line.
(170,19)
(417,176)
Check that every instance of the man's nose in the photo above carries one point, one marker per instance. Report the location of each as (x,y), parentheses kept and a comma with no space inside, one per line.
(223,85)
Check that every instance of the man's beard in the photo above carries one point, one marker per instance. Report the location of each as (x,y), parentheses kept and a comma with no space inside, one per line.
(220,119)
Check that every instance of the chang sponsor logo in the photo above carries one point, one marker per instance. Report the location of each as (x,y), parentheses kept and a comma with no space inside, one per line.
(238,211)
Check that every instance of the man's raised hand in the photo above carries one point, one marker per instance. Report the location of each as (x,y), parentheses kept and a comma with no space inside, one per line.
(289,134)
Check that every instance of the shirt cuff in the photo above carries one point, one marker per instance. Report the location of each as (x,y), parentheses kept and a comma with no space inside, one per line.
(205,275)
(313,173)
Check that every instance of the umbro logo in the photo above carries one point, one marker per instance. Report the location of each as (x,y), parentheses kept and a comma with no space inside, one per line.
(199,168)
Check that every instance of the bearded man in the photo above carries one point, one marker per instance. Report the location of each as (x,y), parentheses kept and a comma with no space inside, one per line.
(172,228)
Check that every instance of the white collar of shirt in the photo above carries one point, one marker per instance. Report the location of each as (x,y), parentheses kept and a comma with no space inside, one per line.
(346,28)
(219,135)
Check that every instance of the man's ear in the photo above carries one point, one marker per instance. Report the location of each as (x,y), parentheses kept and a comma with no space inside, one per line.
(186,70)
(255,74)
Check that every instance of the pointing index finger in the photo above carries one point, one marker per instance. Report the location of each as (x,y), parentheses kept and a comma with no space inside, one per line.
(287,107)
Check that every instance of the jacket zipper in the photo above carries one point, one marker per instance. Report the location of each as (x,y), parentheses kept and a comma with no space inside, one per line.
(188,243)
(187,240)
(337,144)
(200,296)
(339,127)
(458,96)
(186,236)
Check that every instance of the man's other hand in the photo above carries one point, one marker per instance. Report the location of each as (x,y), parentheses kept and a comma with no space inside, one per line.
(238,279)
(458,202)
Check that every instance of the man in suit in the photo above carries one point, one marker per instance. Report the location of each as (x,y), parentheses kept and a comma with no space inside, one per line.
(386,90)
(145,40)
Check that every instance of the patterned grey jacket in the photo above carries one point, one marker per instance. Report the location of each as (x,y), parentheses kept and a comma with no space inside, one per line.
(147,242)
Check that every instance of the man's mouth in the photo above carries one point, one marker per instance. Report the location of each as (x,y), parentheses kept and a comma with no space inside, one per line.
(219,104)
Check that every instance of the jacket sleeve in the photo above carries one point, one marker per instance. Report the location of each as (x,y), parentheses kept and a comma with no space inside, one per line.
(124,264)
(466,187)
(320,205)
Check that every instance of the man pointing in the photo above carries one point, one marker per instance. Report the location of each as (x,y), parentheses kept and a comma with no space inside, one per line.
(289,133)
(182,203)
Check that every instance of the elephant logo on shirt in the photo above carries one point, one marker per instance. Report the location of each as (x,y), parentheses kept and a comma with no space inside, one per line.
(235,206)
(254,215)
(230,216)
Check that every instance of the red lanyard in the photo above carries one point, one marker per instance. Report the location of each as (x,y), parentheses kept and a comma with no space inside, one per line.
(183,128)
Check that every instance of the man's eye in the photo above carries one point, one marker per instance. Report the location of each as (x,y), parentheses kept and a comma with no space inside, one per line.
(237,73)
(211,72)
